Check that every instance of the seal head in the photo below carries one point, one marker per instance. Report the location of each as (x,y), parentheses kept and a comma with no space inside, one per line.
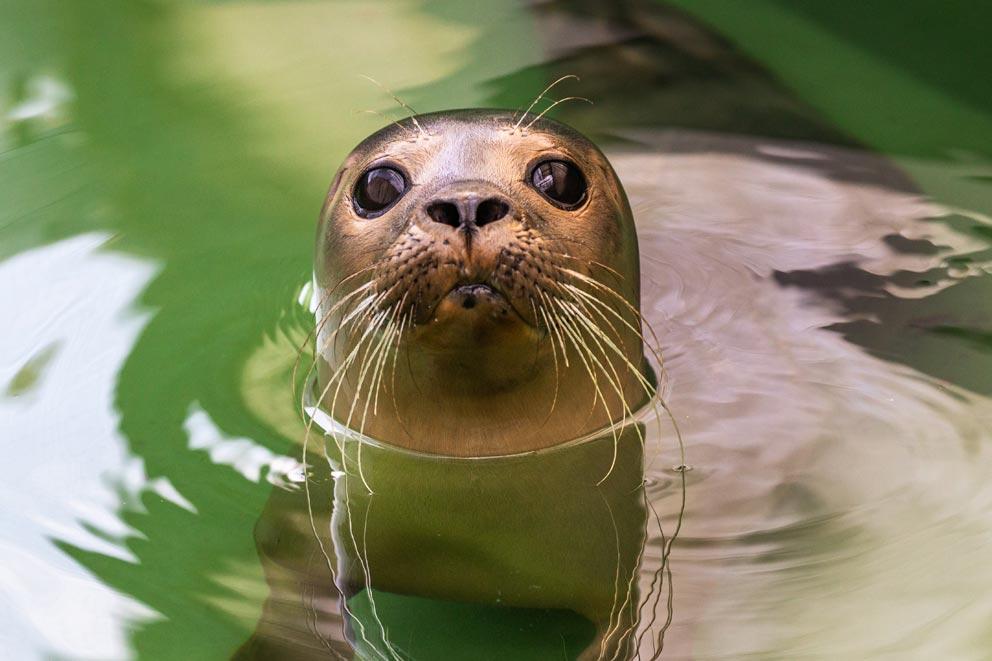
(477,275)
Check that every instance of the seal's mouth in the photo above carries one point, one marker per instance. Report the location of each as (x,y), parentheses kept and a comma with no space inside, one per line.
(475,303)
(470,295)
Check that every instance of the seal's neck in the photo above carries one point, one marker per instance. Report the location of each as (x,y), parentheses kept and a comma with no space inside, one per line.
(495,400)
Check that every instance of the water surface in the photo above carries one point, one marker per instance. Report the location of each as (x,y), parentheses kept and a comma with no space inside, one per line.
(813,216)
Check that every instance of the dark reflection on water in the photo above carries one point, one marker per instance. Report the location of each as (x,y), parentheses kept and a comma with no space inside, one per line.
(942,334)
(647,64)
(826,326)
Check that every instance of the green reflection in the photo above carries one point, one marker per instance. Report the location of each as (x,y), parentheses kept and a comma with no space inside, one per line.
(184,161)
(474,631)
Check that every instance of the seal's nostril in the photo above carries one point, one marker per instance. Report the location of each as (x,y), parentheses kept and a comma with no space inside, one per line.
(467,211)
(444,212)
(490,211)
(468,302)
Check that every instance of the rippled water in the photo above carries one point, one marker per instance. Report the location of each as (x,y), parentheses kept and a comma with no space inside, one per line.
(817,263)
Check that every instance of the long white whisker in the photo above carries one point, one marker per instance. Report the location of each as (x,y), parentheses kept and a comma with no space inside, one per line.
(413,117)
(559,101)
(541,96)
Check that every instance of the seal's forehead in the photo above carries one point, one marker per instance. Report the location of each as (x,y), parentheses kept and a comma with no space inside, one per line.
(468,135)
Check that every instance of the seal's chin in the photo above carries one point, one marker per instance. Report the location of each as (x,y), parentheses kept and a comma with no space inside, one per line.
(475,324)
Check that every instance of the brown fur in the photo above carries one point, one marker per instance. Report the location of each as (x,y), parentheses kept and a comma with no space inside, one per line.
(498,379)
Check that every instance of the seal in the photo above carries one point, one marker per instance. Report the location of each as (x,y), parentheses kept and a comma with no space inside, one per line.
(477,286)
(477,281)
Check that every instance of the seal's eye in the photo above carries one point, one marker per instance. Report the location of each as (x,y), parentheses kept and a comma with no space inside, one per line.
(377,190)
(561,182)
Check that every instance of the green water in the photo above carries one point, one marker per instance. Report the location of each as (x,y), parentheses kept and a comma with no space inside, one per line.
(161,168)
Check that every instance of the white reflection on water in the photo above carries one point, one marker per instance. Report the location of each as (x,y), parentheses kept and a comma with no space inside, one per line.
(244,455)
(46,98)
(65,462)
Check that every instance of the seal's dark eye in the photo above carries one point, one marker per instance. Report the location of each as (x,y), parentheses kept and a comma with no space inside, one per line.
(377,190)
(561,182)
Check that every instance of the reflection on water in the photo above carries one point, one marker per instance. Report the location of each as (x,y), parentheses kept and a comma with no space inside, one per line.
(827,482)
(825,327)
(58,365)
(525,556)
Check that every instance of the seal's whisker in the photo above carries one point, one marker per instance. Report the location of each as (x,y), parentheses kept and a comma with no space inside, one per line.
(593,310)
(595,333)
(556,332)
(315,333)
(368,335)
(653,346)
(558,322)
(366,578)
(608,269)
(368,309)
(592,262)
(372,353)
(380,356)
(577,292)
(554,354)
(599,336)
(581,318)
(338,377)
(398,100)
(657,579)
(375,356)
(319,349)
(351,298)
(383,116)
(335,377)
(629,601)
(541,96)
(552,321)
(558,102)
(309,497)
(392,385)
(604,638)
(590,327)
(371,359)
(649,390)
(592,282)
(586,355)
(364,308)
(386,316)
(396,348)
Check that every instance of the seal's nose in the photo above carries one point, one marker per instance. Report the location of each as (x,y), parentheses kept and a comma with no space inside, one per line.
(467,209)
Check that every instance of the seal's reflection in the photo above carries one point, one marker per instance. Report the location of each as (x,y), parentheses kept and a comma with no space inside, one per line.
(512,557)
